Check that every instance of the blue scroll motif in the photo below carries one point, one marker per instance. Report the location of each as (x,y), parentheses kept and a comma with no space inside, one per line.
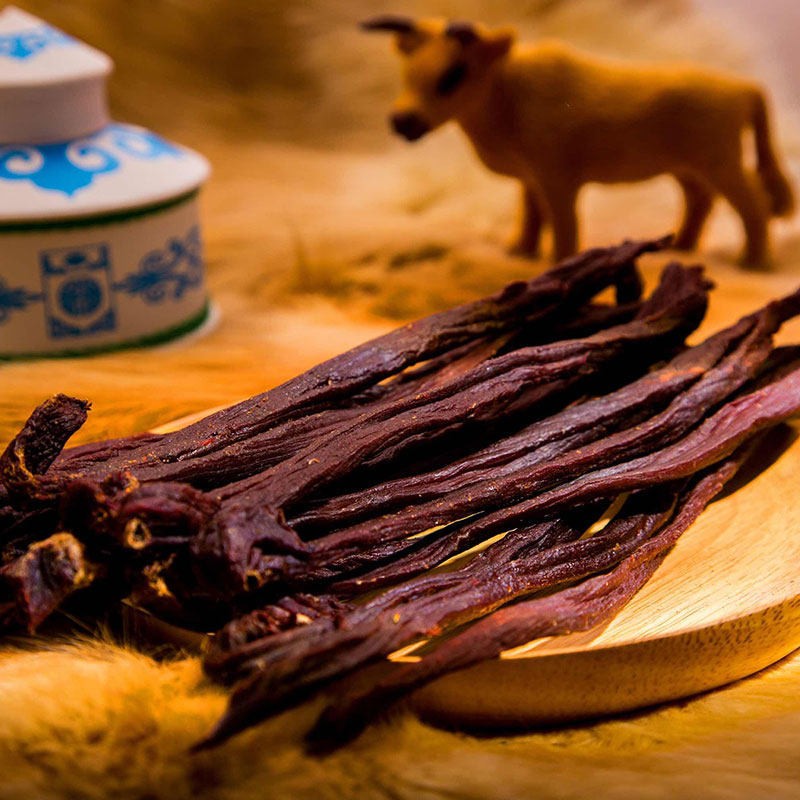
(141,143)
(17,299)
(68,167)
(168,273)
(28,43)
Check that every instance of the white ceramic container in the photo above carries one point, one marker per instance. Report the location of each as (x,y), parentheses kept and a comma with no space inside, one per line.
(100,243)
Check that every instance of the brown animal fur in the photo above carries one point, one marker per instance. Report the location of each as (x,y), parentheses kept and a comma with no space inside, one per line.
(557,119)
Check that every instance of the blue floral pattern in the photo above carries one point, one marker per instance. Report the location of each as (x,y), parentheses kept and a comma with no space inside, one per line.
(28,43)
(167,273)
(79,296)
(16,299)
(68,167)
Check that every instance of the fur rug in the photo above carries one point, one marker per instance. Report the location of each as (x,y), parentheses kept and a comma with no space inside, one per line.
(321,233)
(92,720)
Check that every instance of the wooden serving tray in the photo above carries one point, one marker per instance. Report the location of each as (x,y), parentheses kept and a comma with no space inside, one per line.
(724,604)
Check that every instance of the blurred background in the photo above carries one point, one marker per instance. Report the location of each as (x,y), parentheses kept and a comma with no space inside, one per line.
(321,228)
(301,70)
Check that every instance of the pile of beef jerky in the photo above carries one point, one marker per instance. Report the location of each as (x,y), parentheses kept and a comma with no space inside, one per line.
(306,525)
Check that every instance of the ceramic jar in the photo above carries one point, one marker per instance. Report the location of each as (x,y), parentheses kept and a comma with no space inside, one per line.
(100,243)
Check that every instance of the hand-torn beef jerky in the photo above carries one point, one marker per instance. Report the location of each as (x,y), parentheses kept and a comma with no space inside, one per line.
(525,481)
(136,516)
(501,386)
(34,585)
(31,452)
(712,441)
(573,427)
(232,534)
(537,301)
(574,609)
(287,668)
(522,562)
(422,444)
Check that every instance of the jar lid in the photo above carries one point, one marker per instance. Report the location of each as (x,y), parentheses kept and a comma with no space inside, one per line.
(120,167)
(52,87)
(60,155)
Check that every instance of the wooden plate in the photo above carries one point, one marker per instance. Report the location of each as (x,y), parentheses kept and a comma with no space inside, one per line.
(724,604)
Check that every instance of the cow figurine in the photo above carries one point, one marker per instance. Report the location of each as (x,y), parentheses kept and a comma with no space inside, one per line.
(556,119)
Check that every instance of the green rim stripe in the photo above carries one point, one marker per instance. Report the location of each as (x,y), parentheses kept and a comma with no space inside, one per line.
(98,219)
(150,339)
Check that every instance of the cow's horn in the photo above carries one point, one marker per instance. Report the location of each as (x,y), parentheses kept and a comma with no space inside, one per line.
(463,32)
(389,22)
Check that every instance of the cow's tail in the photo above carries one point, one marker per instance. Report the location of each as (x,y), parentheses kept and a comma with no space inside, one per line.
(775,181)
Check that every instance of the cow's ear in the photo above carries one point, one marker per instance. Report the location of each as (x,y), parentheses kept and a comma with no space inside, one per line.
(408,34)
(465,33)
(490,44)
(497,43)
(408,42)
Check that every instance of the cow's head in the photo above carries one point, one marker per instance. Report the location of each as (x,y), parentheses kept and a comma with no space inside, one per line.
(445,67)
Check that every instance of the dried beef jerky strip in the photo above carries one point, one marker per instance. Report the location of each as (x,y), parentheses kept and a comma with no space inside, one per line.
(286,614)
(286,675)
(712,441)
(573,283)
(35,584)
(573,427)
(31,452)
(575,609)
(514,566)
(505,486)
(259,452)
(137,517)
(491,389)
(323,639)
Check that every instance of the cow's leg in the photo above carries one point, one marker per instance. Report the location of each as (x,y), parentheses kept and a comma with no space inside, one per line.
(745,193)
(561,201)
(699,199)
(531,221)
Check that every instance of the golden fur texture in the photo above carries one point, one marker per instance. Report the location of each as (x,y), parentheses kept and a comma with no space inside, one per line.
(320,232)
(94,721)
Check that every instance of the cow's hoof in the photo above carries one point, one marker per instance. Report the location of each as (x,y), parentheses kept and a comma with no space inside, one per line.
(685,243)
(521,249)
(756,262)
